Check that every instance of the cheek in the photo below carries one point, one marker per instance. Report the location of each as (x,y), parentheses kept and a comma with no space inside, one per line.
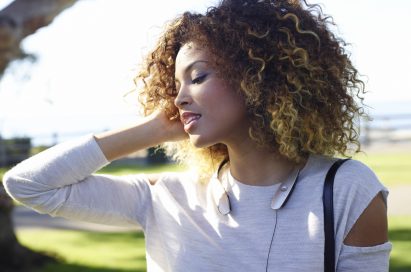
(218,97)
(227,110)
(231,104)
(220,103)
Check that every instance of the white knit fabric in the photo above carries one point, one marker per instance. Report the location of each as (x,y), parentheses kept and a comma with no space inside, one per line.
(184,230)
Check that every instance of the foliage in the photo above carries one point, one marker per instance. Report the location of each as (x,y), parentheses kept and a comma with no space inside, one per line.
(14,150)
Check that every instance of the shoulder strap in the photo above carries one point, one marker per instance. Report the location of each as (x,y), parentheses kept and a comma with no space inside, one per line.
(328,206)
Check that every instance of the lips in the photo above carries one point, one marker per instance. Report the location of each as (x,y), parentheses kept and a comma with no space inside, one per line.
(188,117)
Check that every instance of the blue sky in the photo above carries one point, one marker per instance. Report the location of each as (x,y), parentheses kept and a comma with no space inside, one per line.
(89,54)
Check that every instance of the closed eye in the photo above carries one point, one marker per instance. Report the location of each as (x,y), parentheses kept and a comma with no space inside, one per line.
(199,79)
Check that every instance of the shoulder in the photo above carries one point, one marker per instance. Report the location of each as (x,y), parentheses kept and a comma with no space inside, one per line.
(351,178)
(370,229)
(355,184)
(355,180)
(367,200)
(350,173)
(360,201)
(356,170)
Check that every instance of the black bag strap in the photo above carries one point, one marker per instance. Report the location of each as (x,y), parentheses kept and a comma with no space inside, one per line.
(328,206)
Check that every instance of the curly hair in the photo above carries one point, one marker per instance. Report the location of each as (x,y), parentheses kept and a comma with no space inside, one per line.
(297,80)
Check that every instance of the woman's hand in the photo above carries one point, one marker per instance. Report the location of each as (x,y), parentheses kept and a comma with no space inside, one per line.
(173,129)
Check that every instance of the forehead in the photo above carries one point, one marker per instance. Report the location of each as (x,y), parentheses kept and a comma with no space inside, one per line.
(189,53)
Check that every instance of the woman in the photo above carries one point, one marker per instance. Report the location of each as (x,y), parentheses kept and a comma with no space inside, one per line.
(257,97)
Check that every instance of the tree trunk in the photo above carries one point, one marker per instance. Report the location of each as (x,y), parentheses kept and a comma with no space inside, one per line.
(13,256)
(18,20)
(22,18)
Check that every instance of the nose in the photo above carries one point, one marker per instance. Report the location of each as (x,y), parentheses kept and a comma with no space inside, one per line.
(183,97)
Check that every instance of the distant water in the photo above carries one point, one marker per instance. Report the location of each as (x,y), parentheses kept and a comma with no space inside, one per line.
(391,116)
(390,108)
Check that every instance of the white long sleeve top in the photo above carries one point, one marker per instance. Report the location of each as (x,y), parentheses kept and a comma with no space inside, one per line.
(183,227)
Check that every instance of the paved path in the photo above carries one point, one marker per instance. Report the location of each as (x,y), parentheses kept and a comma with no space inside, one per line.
(399,204)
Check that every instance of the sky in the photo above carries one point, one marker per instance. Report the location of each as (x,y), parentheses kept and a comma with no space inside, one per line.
(87,57)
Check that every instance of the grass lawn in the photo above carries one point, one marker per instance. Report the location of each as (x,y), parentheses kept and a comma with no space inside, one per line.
(400,236)
(108,252)
(135,169)
(391,168)
(80,251)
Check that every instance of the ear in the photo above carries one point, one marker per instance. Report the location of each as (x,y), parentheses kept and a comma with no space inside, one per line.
(371,228)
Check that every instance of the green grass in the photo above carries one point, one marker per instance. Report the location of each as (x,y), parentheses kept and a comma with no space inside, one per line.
(400,236)
(391,168)
(88,251)
(135,169)
(109,252)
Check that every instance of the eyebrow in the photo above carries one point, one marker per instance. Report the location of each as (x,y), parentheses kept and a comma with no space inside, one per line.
(190,66)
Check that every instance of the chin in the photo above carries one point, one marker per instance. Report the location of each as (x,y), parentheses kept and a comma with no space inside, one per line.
(200,142)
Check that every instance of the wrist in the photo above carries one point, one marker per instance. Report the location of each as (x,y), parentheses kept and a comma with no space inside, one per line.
(158,129)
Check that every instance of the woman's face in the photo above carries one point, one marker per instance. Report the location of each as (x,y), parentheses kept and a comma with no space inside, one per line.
(210,110)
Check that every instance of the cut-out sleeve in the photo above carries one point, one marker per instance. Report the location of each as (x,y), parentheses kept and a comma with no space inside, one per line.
(355,187)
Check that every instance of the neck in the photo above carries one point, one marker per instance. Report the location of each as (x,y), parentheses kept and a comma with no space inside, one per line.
(253,165)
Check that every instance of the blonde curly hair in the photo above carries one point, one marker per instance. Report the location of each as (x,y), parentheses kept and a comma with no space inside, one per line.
(297,80)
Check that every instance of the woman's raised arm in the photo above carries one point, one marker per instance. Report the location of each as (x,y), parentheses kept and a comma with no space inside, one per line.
(150,131)
(60,180)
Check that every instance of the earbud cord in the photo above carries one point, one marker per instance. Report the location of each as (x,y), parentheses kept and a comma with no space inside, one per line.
(271,243)
(275,212)
(275,223)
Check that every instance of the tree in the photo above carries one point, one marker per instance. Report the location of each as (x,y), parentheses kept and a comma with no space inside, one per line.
(22,18)
(13,256)
(18,20)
